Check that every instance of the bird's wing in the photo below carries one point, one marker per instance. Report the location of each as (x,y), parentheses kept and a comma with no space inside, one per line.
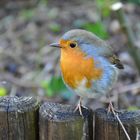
(115,61)
(107,52)
(95,45)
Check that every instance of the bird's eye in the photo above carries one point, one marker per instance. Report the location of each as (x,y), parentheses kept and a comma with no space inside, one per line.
(73,44)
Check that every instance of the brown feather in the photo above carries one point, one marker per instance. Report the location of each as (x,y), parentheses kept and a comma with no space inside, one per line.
(115,61)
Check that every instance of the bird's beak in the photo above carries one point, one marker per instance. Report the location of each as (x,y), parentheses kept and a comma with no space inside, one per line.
(55,45)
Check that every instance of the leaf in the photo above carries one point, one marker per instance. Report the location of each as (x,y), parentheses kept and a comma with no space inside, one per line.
(44,2)
(54,27)
(54,86)
(57,83)
(104,6)
(97,28)
(3,91)
(27,14)
(132,108)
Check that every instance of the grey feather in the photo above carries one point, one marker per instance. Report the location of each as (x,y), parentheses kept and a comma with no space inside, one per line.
(92,45)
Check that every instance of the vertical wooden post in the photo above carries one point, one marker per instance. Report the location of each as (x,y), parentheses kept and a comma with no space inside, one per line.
(108,128)
(18,118)
(59,122)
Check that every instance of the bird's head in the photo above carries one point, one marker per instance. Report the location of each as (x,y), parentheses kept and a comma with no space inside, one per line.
(81,41)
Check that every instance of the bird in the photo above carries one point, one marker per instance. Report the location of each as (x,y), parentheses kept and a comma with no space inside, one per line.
(88,65)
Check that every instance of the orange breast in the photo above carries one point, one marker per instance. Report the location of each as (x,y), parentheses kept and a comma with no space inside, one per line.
(75,67)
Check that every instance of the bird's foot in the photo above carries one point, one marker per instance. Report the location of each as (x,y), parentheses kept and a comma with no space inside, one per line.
(79,107)
(112,109)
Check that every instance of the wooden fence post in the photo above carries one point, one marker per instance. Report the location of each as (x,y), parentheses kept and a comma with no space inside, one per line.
(18,118)
(108,128)
(59,122)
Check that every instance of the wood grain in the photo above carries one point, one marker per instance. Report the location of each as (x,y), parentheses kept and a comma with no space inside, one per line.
(18,118)
(60,122)
(108,128)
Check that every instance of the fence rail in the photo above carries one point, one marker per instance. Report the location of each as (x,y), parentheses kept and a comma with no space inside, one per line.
(22,118)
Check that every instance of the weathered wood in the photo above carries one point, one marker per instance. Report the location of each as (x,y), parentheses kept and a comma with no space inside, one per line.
(59,122)
(108,128)
(18,118)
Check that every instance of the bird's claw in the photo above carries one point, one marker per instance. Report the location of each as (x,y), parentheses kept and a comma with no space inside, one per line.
(112,109)
(79,107)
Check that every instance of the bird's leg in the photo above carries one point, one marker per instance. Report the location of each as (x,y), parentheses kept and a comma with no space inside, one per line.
(78,107)
(111,108)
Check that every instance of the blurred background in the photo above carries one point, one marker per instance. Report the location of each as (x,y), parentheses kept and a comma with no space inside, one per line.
(29,67)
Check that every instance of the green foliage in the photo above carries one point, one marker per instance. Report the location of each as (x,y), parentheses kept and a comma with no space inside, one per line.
(97,28)
(44,2)
(54,86)
(54,27)
(3,91)
(27,14)
(132,108)
(104,6)
(132,1)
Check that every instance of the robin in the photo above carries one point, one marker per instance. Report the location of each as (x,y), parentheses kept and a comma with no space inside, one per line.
(89,67)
